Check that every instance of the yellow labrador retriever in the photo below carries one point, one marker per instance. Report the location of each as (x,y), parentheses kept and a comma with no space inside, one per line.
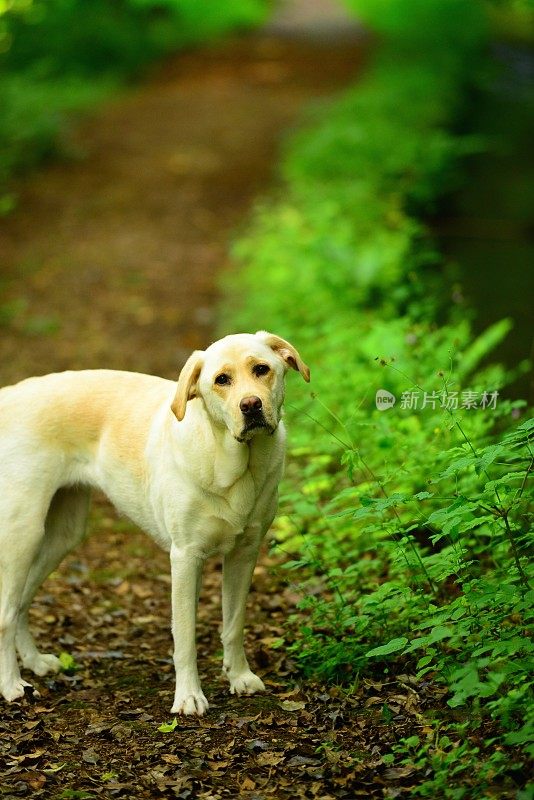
(195,464)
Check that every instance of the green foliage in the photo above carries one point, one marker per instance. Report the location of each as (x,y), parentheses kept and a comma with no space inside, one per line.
(451,25)
(34,111)
(168,727)
(79,37)
(449,758)
(68,663)
(408,528)
(109,776)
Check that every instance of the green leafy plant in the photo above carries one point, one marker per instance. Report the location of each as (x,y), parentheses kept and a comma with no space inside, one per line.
(407,530)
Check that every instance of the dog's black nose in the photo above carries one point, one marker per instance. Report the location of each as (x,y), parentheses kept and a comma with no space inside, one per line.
(249,405)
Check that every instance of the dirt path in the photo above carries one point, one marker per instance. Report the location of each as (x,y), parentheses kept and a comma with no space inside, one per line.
(110,261)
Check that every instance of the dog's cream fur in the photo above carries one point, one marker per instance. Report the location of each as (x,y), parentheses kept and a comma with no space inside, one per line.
(184,462)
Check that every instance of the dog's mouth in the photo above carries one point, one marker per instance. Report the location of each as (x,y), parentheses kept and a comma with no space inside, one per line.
(254,425)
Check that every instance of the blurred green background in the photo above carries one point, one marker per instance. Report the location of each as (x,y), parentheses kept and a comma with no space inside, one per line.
(61,56)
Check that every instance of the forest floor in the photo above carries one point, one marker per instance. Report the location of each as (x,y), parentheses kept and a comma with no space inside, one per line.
(111,260)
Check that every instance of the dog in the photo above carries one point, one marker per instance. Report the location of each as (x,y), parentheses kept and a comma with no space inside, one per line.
(195,464)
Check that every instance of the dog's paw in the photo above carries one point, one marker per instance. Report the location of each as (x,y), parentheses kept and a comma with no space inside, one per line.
(190,703)
(42,663)
(15,690)
(246,683)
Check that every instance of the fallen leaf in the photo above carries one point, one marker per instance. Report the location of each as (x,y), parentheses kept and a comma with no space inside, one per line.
(269,759)
(293,705)
(170,758)
(168,727)
(298,761)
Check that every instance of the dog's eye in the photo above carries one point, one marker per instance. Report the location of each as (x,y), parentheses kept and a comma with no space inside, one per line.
(223,379)
(261,369)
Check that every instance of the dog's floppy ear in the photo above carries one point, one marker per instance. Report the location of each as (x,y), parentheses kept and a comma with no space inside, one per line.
(289,354)
(187,384)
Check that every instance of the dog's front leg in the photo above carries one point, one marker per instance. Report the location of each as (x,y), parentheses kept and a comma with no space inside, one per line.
(238,567)
(186,571)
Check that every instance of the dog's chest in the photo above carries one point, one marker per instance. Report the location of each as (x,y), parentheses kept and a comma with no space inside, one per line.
(230,492)
(208,496)
(234,483)
(220,514)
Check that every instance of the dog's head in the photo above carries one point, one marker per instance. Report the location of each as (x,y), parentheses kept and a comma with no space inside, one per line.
(241,381)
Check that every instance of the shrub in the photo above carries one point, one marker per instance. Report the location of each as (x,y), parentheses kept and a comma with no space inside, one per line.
(409,525)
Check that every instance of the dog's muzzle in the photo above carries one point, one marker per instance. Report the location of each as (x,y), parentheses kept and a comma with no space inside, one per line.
(254,418)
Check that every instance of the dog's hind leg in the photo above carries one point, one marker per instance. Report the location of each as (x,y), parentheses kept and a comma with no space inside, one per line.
(20,543)
(64,529)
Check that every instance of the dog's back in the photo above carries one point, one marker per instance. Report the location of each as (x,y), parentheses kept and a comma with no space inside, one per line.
(56,429)
(69,409)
